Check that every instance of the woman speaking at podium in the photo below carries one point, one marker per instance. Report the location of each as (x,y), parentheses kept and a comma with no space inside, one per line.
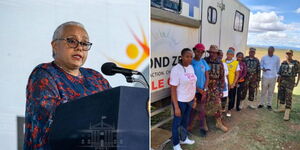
(60,81)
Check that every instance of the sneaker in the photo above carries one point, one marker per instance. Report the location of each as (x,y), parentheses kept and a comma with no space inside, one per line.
(260,106)
(252,107)
(238,109)
(177,147)
(187,141)
(270,108)
(228,114)
(202,133)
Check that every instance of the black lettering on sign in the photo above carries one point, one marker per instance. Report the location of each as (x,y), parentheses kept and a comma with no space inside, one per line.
(166,61)
(156,74)
(176,60)
(159,62)
(151,63)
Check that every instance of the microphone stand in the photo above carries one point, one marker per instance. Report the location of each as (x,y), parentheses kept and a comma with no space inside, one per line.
(131,79)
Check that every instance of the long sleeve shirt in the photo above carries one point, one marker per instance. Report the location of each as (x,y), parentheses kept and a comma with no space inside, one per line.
(48,87)
(243,71)
(271,63)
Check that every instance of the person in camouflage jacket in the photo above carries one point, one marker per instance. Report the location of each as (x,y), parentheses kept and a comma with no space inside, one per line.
(288,71)
(252,78)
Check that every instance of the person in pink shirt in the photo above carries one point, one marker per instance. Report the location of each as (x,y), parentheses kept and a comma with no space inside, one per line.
(183,88)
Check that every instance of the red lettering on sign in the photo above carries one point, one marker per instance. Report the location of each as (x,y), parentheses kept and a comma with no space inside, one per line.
(161,83)
(153,87)
(157,84)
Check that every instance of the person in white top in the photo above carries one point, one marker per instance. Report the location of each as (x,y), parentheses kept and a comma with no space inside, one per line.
(270,65)
(183,89)
(233,75)
(226,89)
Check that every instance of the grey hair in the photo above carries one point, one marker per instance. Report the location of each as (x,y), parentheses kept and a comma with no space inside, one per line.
(59,30)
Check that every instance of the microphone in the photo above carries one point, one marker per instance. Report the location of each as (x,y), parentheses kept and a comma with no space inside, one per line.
(110,69)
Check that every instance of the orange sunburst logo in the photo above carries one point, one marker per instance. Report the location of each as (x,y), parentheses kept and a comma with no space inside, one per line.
(133,51)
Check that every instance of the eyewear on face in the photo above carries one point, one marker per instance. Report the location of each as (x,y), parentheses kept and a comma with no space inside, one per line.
(73,43)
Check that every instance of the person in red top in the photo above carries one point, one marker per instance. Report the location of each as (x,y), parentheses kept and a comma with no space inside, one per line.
(57,82)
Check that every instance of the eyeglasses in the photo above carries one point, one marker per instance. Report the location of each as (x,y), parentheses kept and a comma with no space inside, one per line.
(73,43)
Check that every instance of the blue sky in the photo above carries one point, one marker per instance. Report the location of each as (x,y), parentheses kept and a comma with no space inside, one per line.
(274,22)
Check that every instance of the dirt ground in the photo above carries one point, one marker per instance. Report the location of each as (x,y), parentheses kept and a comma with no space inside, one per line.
(249,129)
(258,129)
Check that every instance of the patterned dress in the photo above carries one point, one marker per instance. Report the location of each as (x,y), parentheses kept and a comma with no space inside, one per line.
(215,87)
(48,87)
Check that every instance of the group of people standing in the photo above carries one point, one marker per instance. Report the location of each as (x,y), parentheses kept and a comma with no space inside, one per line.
(202,87)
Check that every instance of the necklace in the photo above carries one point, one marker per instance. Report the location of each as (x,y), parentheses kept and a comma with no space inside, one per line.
(79,75)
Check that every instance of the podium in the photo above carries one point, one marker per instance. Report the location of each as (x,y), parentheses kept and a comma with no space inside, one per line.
(114,119)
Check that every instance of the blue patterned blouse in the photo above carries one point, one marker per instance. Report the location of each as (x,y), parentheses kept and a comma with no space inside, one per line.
(48,87)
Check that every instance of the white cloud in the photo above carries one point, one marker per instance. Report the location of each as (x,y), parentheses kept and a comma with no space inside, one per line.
(298,11)
(262,8)
(268,28)
(285,38)
(272,35)
(267,21)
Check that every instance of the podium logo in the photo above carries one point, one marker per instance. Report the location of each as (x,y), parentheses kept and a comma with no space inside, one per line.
(100,136)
